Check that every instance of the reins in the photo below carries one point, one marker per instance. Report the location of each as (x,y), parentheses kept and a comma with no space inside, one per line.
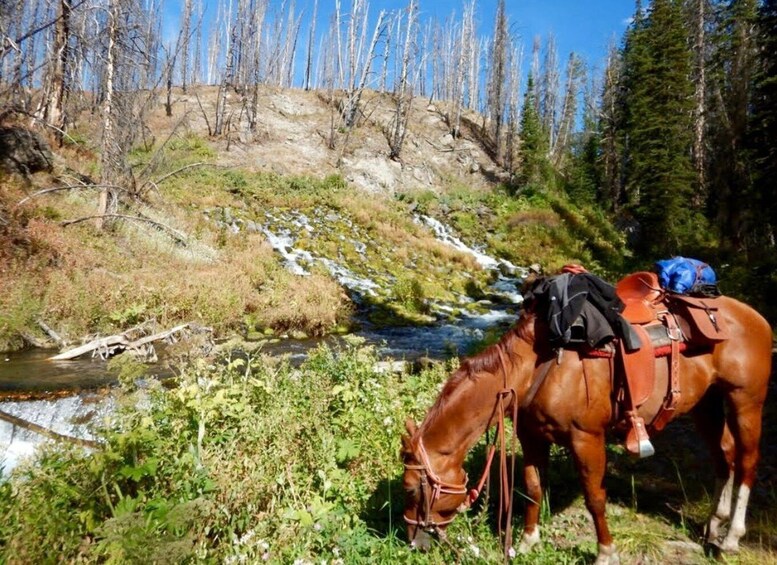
(432,486)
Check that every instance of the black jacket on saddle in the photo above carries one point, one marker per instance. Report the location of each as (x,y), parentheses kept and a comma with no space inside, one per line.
(580,308)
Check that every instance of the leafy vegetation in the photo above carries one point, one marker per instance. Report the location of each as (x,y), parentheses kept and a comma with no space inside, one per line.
(249,459)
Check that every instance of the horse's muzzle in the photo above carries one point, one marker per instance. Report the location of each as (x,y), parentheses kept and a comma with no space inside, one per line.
(422,540)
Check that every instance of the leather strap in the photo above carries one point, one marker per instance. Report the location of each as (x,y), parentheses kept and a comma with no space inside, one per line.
(672,397)
(538,380)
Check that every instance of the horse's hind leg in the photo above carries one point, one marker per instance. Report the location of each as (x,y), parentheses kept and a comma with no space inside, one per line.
(535,461)
(710,418)
(591,461)
(744,420)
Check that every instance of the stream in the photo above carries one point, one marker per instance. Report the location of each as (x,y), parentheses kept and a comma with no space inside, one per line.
(62,396)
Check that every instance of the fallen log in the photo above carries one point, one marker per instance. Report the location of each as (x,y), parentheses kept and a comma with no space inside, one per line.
(51,434)
(51,333)
(118,341)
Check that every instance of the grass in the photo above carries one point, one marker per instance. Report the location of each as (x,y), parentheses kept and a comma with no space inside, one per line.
(535,226)
(249,459)
(81,281)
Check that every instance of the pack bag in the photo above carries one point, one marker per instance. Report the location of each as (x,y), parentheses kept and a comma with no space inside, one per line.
(683,275)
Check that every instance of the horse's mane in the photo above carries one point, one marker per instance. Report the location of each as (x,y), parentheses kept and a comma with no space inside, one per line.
(487,361)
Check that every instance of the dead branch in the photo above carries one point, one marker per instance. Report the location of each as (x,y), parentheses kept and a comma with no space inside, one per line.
(67,187)
(51,434)
(175,172)
(204,114)
(178,236)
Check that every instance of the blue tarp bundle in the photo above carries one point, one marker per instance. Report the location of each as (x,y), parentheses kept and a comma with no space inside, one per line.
(681,274)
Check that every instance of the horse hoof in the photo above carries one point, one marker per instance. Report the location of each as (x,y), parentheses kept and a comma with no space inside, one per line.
(528,541)
(607,556)
(729,546)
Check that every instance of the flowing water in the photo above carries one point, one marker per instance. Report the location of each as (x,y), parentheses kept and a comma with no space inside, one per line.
(60,395)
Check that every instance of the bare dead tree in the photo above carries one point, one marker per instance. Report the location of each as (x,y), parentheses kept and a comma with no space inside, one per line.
(498,65)
(290,49)
(387,45)
(561,141)
(110,154)
(216,38)
(55,82)
(170,63)
(609,120)
(257,30)
(227,79)
(403,95)
(548,88)
(513,107)
(311,40)
(360,56)
(185,35)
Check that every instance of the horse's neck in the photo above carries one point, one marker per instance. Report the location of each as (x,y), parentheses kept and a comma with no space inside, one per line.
(454,429)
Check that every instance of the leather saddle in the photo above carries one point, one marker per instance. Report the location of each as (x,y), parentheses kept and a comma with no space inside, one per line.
(666,325)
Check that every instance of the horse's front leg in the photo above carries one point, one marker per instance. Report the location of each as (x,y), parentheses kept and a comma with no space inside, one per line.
(591,460)
(535,460)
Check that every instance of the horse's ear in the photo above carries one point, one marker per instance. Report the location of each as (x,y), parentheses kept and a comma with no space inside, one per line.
(410,427)
(406,448)
(407,439)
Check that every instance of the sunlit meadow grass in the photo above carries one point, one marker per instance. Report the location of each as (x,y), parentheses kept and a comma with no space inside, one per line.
(249,459)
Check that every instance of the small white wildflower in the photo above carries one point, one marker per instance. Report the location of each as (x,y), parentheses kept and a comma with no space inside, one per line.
(469,539)
(266,556)
(338,561)
(264,545)
(387,421)
(248,536)
(511,552)
(475,550)
(336,552)
(317,526)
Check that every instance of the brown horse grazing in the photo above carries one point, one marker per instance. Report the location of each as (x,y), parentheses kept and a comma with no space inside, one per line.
(724,388)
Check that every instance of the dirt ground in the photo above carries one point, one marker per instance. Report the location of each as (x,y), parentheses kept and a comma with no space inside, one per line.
(293,133)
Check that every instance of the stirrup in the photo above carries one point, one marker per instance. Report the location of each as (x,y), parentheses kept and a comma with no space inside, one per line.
(637,440)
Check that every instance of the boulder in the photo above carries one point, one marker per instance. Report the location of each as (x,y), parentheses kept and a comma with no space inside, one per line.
(23,151)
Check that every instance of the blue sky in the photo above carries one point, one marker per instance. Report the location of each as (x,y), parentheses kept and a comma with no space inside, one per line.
(583,26)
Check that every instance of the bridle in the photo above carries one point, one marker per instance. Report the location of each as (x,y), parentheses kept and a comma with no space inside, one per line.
(432,486)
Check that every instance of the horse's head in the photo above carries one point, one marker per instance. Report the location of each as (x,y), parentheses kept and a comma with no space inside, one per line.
(433,497)
(484,389)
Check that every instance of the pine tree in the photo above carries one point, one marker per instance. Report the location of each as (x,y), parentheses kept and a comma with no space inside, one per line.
(730,169)
(609,132)
(632,102)
(659,130)
(533,149)
(764,126)
(584,175)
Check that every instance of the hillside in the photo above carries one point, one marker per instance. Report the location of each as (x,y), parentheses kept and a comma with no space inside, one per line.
(213,208)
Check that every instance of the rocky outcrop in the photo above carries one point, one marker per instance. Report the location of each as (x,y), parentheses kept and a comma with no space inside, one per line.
(24,152)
